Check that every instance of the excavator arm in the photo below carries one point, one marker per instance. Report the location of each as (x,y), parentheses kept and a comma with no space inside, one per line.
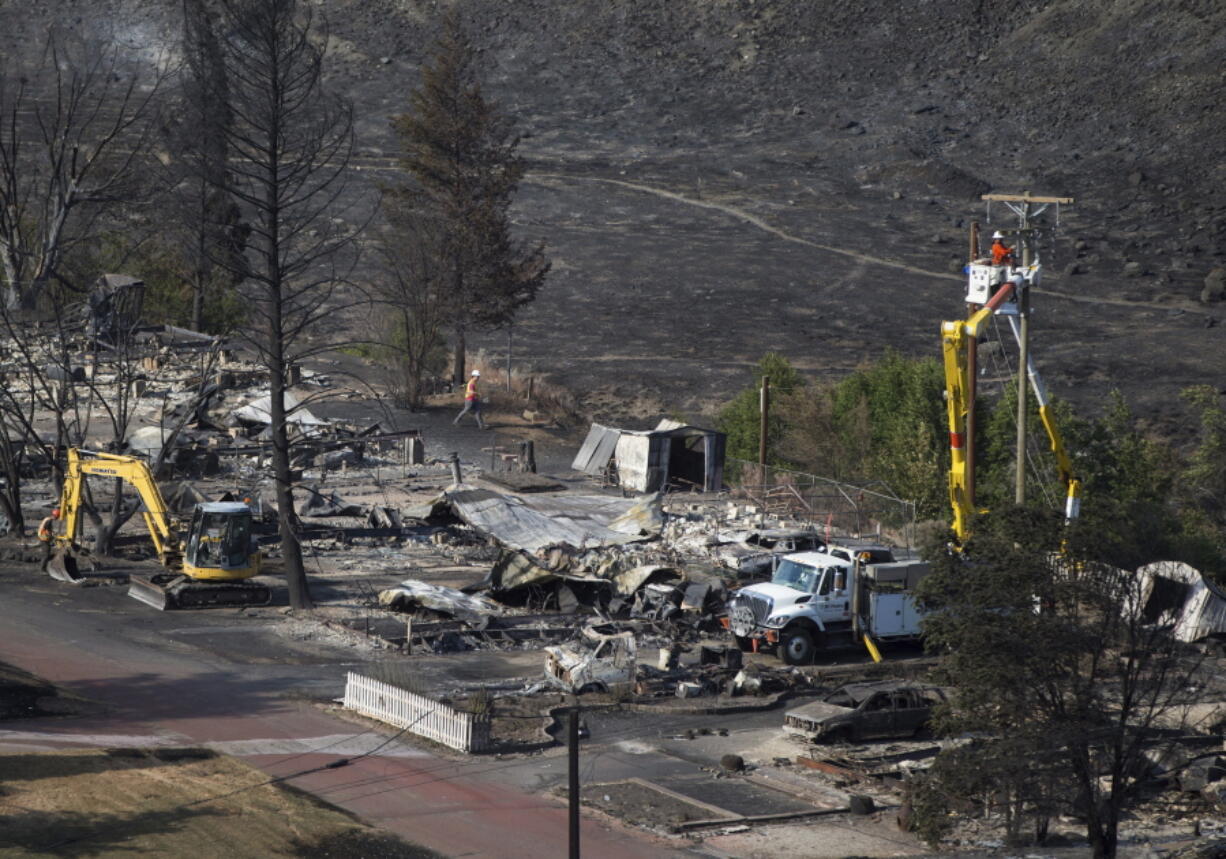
(83,463)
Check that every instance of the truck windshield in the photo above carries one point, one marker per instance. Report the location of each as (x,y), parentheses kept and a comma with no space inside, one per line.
(800,577)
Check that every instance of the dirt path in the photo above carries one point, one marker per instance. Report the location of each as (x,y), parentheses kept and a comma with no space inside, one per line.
(754,220)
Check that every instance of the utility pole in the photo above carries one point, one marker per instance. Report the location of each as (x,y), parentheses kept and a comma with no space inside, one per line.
(972,372)
(573,757)
(764,408)
(1023,206)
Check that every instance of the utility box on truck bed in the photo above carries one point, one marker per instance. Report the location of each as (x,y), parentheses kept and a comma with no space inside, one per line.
(892,615)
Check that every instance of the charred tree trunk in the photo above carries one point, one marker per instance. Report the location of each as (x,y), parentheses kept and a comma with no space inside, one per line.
(291,550)
(457,372)
(295,143)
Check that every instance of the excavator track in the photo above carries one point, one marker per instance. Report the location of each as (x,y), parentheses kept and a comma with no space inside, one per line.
(170,592)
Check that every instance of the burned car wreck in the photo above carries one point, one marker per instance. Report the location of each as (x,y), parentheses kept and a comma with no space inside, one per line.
(861,711)
(605,663)
(753,553)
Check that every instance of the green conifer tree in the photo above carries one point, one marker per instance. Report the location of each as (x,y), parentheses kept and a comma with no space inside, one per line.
(461,157)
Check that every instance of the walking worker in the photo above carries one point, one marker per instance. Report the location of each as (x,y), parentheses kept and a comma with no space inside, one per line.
(472,400)
(1002,254)
(46,535)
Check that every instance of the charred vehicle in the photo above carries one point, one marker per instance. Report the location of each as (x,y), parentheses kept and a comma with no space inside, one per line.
(754,553)
(862,711)
(603,663)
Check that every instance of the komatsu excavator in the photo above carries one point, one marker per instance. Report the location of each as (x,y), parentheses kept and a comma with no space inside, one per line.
(209,566)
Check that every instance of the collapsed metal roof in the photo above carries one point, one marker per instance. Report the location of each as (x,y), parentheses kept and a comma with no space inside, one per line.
(580,521)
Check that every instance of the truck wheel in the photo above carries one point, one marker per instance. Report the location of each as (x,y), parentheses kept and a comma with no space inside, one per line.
(797,647)
(743,643)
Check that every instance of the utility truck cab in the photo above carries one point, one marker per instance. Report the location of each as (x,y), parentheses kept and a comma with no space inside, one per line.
(817,600)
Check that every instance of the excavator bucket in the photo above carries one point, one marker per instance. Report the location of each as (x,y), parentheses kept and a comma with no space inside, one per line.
(66,566)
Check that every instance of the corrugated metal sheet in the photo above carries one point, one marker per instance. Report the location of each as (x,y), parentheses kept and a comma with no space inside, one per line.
(597,449)
(581,521)
(1195,609)
(638,461)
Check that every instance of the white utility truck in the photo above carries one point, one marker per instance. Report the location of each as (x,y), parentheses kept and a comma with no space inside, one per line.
(815,600)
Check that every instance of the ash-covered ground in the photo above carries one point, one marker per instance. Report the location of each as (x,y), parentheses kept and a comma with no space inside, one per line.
(715,180)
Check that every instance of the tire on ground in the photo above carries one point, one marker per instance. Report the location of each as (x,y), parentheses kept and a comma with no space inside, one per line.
(858,803)
(732,763)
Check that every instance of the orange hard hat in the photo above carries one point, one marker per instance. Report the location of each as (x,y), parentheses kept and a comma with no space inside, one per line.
(55,513)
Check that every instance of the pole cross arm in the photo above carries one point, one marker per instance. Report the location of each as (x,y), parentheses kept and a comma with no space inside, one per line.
(1024,198)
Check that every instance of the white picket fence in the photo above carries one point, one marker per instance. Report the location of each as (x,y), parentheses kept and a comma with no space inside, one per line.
(417,714)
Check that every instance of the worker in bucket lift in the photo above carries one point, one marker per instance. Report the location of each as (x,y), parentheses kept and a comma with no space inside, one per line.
(472,400)
(1002,254)
(46,536)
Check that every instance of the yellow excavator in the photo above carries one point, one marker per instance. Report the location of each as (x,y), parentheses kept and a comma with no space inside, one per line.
(207,564)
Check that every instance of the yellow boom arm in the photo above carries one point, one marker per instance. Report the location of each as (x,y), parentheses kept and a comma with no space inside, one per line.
(135,472)
(956,337)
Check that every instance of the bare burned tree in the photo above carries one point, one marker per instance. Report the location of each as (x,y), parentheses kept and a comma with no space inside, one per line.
(88,379)
(73,133)
(411,300)
(290,145)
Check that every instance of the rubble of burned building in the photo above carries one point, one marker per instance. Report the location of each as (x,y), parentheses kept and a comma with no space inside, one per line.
(604,596)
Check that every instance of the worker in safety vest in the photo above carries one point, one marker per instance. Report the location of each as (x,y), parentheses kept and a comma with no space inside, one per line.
(1002,254)
(472,400)
(46,535)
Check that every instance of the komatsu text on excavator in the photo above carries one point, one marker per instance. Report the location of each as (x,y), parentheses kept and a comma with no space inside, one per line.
(210,566)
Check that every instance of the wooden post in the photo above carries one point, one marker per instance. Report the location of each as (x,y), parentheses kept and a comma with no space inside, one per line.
(764,405)
(1023,357)
(1024,206)
(573,771)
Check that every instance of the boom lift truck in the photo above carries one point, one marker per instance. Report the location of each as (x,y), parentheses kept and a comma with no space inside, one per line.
(209,567)
(1001,291)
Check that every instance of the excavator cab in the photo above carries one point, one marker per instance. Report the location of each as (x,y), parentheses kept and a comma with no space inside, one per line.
(219,543)
(208,568)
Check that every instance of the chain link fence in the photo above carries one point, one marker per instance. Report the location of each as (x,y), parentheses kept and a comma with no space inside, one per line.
(838,509)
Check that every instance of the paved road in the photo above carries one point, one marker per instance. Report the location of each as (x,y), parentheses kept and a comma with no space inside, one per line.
(156,688)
